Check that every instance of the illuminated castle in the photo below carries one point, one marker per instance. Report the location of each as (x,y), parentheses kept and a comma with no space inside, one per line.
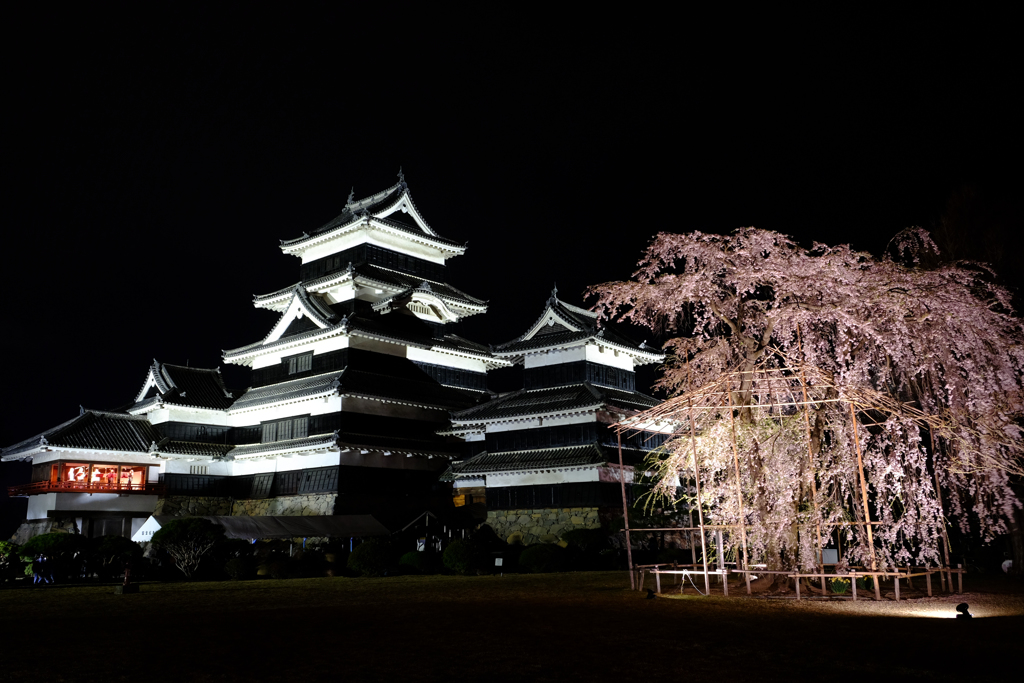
(360,398)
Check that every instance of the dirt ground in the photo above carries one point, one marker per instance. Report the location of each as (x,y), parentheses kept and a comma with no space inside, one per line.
(553,627)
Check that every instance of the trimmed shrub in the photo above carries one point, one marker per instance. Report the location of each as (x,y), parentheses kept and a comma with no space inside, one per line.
(65,553)
(421,562)
(543,558)
(463,556)
(586,539)
(370,558)
(241,568)
(110,555)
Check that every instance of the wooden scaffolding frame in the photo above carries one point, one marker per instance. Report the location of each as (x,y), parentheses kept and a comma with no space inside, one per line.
(800,385)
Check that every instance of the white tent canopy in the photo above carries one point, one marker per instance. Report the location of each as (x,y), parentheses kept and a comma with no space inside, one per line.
(335,526)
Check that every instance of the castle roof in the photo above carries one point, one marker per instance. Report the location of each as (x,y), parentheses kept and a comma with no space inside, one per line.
(391,210)
(563,325)
(183,386)
(556,400)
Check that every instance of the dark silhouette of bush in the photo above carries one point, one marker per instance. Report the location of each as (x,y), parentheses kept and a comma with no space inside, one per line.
(463,556)
(241,568)
(110,555)
(370,558)
(421,562)
(586,540)
(65,553)
(543,558)
(11,564)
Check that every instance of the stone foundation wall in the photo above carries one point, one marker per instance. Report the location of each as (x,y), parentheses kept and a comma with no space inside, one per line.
(192,506)
(540,526)
(309,505)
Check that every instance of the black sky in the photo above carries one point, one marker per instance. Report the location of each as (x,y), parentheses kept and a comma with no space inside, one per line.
(156,155)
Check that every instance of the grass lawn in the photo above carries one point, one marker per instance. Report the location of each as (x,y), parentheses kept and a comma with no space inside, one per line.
(551,627)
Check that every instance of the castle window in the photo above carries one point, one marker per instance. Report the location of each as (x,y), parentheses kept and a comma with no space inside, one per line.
(282,430)
(301,363)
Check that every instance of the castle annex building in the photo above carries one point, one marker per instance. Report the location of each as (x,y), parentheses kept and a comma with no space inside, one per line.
(361,400)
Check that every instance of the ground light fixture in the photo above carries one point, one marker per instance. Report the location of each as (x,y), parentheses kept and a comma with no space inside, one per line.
(962,609)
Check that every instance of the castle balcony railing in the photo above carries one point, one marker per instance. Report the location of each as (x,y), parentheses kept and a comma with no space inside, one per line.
(150,489)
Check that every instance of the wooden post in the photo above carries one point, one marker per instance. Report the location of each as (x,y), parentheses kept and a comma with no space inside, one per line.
(657,580)
(696,480)
(959,578)
(721,563)
(896,583)
(798,588)
(625,514)
(810,459)
(864,496)
(739,492)
(853,584)
(928,583)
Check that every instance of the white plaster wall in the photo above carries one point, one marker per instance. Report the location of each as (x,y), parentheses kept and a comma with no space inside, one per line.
(302,461)
(470,482)
(175,414)
(213,468)
(39,505)
(554,357)
(333,343)
(502,479)
(449,359)
(606,355)
(94,456)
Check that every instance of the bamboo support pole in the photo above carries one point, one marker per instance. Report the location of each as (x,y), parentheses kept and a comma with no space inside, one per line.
(739,492)
(700,511)
(814,472)
(625,514)
(864,495)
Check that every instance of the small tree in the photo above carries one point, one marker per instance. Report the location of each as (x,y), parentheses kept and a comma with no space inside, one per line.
(187,541)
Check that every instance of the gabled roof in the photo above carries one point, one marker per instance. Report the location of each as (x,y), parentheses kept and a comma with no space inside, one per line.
(563,324)
(92,430)
(391,210)
(556,400)
(183,386)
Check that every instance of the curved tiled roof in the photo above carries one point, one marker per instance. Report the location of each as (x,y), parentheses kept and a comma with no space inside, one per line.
(286,391)
(579,325)
(571,456)
(532,402)
(372,207)
(574,397)
(94,430)
(317,441)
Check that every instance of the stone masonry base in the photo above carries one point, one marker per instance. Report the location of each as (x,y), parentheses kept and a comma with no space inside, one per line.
(309,505)
(540,526)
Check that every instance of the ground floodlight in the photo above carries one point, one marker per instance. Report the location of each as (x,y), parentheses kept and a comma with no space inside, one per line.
(962,609)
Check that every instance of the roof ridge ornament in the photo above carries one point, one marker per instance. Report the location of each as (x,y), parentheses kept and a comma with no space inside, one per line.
(401,176)
(351,196)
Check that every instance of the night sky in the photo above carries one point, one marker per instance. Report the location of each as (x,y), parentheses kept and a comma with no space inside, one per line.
(155,159)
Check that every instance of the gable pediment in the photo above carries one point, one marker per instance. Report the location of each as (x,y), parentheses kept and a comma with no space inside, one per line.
(303,313)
